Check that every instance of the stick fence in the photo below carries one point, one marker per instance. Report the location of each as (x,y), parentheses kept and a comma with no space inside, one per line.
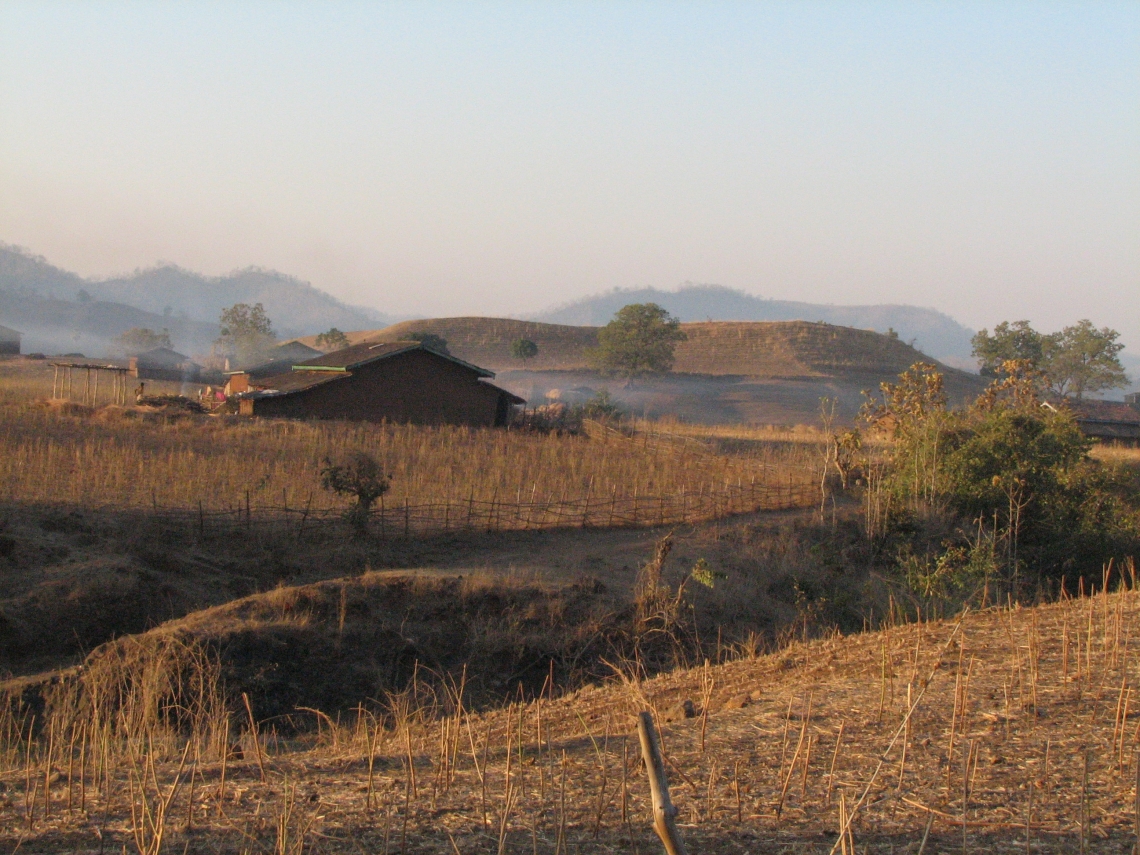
(404,519)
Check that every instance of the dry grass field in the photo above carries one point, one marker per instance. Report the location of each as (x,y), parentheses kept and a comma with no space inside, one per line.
(288,689)
(1010,730)
(127,457)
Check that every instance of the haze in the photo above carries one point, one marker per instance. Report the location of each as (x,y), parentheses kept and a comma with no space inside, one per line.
(482,158)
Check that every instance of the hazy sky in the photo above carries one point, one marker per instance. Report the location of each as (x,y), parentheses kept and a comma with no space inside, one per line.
(499,158)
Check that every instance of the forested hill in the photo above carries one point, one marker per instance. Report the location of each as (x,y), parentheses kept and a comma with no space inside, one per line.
(934,333)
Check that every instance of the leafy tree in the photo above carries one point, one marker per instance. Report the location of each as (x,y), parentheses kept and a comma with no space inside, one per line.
(1081,359)
(1078,360)
(524,349)
(431,341)
(1009,484)
(639,340)
(141,339)
(247,332)
(360,476)
(334,339)
(1010,341)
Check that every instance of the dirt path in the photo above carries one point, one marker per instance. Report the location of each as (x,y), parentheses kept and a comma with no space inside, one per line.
(565,555)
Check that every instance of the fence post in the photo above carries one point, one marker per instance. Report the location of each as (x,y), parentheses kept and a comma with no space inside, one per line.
(664,812)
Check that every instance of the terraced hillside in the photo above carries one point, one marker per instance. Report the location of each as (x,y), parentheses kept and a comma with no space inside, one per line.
(739,348)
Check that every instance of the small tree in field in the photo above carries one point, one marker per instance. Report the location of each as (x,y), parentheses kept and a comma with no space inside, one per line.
(524,349)
(334,339)
(639,340)
(360,477)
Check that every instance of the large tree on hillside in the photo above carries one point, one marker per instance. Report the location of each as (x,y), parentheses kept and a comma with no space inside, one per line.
(639,340)
(1016,340)
(247,332)
(141,339)
(1082,359)
(1078,360)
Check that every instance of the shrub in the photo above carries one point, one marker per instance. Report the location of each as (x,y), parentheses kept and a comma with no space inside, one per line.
(360,477)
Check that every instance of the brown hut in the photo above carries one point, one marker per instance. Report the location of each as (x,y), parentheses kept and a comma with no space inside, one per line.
(394,381)
(9,341)
(162,363)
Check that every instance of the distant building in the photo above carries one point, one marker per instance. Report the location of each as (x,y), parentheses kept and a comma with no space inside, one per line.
(162,363)
(293,350)
(396,381)
(9,341)
(1109,421)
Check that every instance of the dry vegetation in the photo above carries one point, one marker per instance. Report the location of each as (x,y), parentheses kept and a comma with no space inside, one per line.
(124,457)
(1009,730)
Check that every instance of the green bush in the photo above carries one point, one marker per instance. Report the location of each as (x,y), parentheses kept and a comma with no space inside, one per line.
(1030,506)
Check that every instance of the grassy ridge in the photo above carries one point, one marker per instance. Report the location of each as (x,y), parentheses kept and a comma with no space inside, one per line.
(752,349)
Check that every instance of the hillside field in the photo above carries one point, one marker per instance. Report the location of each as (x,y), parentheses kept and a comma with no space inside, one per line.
(726,372)
(1009,730)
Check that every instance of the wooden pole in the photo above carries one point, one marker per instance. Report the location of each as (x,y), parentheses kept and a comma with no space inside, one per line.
(664,811)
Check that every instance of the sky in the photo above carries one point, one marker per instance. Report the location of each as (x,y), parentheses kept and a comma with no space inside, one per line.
(501,158)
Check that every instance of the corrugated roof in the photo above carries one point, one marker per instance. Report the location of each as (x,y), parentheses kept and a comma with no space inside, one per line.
(162,356)
(361,354)
(8,331)
(1105,411)
(292,381)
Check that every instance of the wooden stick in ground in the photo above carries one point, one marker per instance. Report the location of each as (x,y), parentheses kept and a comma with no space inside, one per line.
(664,812)
(256,736)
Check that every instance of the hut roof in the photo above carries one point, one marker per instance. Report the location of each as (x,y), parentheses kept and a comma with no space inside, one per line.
(293,381)
(294,350)
(361,354)
(9,333)
(162,356)
(1105,411)
(339,364)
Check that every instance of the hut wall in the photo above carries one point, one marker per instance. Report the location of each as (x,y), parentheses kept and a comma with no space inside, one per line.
(416,387)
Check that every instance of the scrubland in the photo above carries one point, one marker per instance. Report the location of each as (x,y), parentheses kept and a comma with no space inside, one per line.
(305,691)
(1010,729)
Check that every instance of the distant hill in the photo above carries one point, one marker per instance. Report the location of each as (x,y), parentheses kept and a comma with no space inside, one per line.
(70,326)
(745,371)
(932,332)
(747,348)
(167,296)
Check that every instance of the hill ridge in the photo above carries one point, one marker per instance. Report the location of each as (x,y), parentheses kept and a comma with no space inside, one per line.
(725,348)
(932,331)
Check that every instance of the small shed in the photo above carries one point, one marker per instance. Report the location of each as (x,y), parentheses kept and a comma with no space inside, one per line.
(162,363)
(393,381)
(9,341)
